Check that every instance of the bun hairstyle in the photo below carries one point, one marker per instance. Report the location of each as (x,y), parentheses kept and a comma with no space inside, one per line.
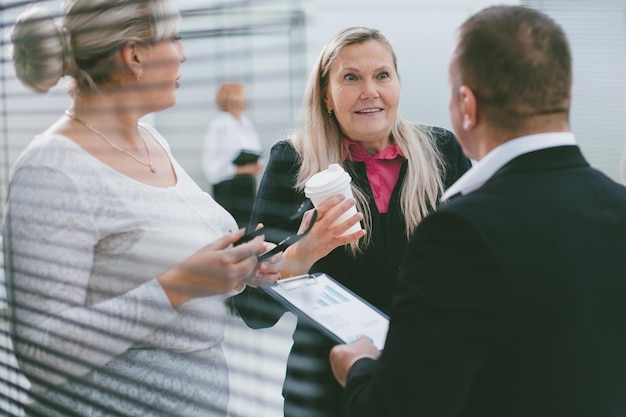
(82,44)
(40,52)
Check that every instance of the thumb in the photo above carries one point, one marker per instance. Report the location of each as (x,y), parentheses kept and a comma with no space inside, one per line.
(225,241)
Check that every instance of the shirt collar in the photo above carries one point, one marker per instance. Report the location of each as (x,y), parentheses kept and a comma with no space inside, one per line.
(356,153)
(484,169)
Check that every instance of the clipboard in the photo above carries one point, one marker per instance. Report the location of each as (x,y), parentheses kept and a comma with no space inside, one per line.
(246,157)
(331,307)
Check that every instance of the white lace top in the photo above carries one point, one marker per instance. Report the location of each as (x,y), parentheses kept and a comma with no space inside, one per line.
(87,244)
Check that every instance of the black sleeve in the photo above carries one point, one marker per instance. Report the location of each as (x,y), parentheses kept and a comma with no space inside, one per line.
(277,199)
(447,317)
(275,202)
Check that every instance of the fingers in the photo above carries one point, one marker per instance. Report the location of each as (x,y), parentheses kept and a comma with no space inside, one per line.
(253,246)
(234,263)
(332,213)
(365,346)
(326,234)
(268,246)
(249,236)
(269,271)
(306,220)
(224,241)
(342,357)
(345,238)
(246,250)
(330,202)
(342,207)
(339,360)
(245,258)
(331,219)
(217,268)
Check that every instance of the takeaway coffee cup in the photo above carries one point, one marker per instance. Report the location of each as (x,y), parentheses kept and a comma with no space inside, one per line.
(332,181)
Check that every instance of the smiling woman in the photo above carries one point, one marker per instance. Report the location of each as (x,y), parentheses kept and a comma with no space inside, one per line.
(118,264)
(363,93)
(398,170)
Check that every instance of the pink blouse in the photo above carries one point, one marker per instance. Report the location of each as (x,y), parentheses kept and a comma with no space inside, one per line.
(383,169)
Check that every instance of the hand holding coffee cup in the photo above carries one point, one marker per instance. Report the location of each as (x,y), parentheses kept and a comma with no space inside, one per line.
(323,237)
(331,195)
(327,183)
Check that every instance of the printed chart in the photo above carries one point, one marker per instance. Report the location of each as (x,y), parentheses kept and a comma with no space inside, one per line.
(334,308)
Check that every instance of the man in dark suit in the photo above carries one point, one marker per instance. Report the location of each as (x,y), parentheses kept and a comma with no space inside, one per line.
(512,295)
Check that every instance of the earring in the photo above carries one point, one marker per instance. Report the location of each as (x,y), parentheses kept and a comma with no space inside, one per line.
(138,77)
(330,112)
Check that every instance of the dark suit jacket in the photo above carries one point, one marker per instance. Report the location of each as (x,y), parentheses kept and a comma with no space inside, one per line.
(511,301)
(309,388)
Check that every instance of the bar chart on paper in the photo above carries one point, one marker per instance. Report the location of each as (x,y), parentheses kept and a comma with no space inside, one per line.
(334,308)
(330,296)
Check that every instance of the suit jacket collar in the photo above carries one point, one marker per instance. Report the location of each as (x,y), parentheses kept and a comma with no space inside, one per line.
(487,167)
(559,157)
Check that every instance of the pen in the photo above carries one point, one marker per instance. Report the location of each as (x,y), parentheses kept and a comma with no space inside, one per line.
(294,278)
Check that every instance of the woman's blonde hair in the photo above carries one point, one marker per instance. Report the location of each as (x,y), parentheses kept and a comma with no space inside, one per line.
(319,143)
(82,44)
(225,93)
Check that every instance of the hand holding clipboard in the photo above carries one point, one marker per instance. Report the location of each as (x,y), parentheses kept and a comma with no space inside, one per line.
(331,307)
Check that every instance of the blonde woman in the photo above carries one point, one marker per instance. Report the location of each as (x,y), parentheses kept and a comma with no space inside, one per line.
(118,263)
(399,170)
(232,131)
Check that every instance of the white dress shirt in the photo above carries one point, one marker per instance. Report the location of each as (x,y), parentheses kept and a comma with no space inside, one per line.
(94,299)
(484,169)
(225,137)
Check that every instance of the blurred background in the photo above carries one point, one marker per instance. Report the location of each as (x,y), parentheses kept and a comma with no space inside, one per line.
(270,45)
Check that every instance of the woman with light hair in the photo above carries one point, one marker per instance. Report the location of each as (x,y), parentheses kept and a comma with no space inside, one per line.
(399,170)
(118,264)
(229,134)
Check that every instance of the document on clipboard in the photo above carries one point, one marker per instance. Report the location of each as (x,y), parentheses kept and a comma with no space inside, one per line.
(333,308)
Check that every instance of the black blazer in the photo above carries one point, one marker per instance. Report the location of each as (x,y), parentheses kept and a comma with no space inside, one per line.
(511,301)
(309,387)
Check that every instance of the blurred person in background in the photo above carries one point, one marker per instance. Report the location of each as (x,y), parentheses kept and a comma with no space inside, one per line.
(399,170)
(230,133)
(118,264)
(510,300)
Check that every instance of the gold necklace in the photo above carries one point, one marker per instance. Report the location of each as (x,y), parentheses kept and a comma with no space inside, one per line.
(119,148)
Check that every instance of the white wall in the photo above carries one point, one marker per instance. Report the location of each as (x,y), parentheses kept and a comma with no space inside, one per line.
(275,64)
(422,40)
(421,31)
(422,34)
(597,35)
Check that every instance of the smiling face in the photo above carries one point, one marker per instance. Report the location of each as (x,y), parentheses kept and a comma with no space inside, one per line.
(364,93)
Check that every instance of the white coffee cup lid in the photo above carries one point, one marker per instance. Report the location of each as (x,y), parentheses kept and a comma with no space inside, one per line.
(334,176)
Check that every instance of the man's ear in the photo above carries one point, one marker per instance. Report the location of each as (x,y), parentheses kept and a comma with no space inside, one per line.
(132,58)
(469,107)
